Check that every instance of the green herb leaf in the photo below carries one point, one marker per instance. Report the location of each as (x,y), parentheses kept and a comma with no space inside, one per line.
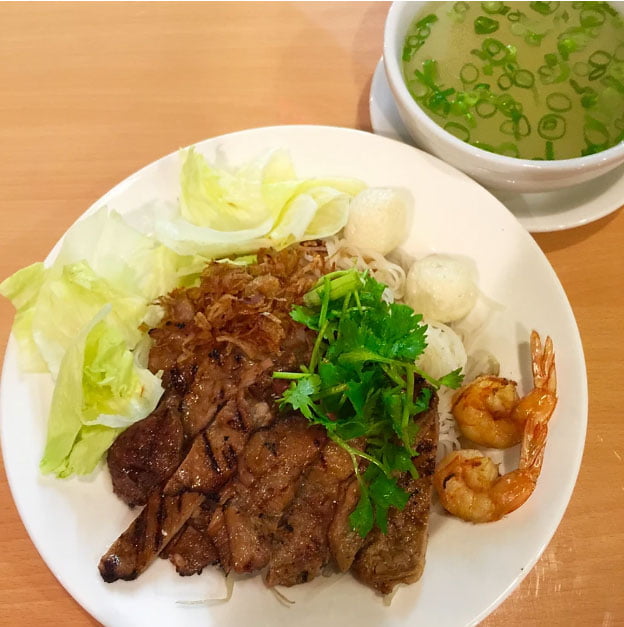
(298,395)
(453,379)
(362,517)
(306,316)
(386,493)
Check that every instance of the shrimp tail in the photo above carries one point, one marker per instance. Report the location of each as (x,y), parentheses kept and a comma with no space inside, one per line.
(543,360)
(544,400)
(533,445)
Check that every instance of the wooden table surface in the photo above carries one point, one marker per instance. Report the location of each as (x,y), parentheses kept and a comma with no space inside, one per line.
(91,92)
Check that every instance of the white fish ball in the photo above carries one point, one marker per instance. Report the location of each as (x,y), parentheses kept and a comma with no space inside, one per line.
(445,351)
(377,219)
(441,287)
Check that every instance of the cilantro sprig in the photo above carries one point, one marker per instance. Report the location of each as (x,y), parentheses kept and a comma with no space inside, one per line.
(360,383)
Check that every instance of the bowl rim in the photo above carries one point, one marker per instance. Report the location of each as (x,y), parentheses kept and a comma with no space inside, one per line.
(401,93)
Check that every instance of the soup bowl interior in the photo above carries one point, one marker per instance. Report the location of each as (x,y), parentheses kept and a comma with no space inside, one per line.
(492,170)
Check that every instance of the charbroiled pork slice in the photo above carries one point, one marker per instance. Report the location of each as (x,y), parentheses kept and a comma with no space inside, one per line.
(398,556)
(344,542)
(147,535)
(218,533)
(253,503)
(204,397)
(220,378)
(213,457)
(224,439)
(247,307)
(300,547)
(147,452)
(192,549)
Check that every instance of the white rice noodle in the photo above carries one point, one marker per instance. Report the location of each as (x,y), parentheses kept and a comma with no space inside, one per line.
(448,440)
(444,353)
(281,598)
(345,255)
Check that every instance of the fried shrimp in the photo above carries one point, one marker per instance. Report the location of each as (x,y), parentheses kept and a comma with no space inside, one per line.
(489,411)
(469,484)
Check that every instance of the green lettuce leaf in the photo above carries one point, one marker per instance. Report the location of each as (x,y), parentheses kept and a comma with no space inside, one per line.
(99,384)
(102,383)
(22,289)
(247,200)
(225,213)
(102,260)
(66,304)
(87,451)
(133,262)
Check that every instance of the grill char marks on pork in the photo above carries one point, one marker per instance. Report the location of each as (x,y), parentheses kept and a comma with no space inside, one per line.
(386,560)
(300,545)
(268,476)
(211,461)
(221,377)
(147,535)
(213,457)
(145,454)
(204,397)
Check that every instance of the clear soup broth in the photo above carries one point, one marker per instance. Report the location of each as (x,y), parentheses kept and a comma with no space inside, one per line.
(534,80)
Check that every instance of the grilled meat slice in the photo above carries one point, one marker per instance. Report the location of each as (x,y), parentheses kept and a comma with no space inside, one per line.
(344,542)
(192,549)
(218,379)
(147,535)
(213,456)
(204,397)
(218,533)
(398,556)
(145,454)
(300,546)
(268,476)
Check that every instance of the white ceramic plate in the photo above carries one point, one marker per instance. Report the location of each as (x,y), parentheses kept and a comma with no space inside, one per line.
(470,568)
(538,212)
